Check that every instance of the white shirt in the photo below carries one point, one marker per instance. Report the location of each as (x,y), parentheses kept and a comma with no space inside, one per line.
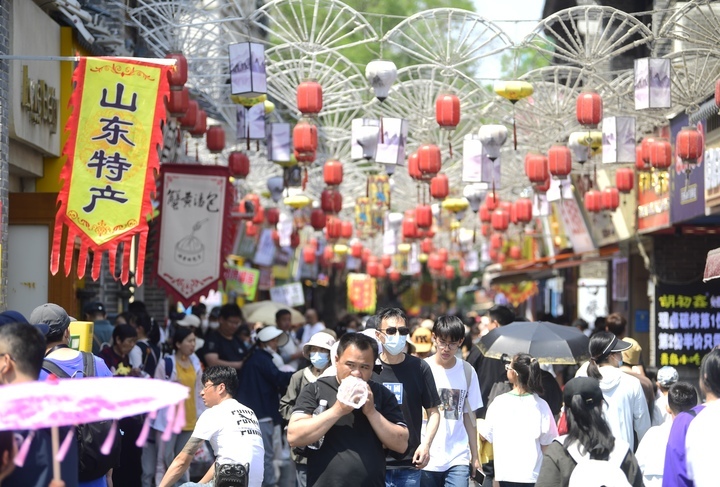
(518,426)
(234,434)
(309,330)
(650,454)
(450,446)
(701,446)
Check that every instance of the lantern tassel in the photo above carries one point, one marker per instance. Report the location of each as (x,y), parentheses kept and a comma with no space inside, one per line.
(305,179)
(382,132)
(514,133)
(247,144)
(450,146)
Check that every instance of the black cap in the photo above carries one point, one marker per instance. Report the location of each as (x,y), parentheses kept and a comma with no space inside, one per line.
(585,387)
(94,307)
(10,316)
(52,316)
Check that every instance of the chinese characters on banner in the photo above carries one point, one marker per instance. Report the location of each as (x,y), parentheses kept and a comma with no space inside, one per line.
(361,293)
(242,281)
(114,131)
(195,229)
(688,322)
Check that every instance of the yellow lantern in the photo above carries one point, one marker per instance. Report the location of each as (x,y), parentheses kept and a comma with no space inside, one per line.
(292,162)
(455,205)
(404,248)
(514,91)
(297,202)
(341,250)
(269,106)
(248,101)
(592,139)
(422,258)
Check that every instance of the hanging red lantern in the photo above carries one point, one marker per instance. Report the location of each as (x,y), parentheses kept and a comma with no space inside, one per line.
(328,254)
(356,249)
(492,200)
(215,139)
(443,253)
(543,187)
(593,201)
(493,254)
(381,272)
(536,168)
(272,216)
(309,254)
(305,158)
(318,219)
(485,229)
(395,275)
(429,160)
(386,260)
(513,214)
(178,74)
(251,230)
(333,173)
(447,111)
(294,239)
(331,201)
(372,267)
(640,164)
(559,161)
(524,210)
(515,252)
(610,198)
(589,109)
(188,121)
(178,102)
(259,216)
(501,257)
(426,246)
(333,228)
(309,98)
(414,167)
(409,228)
(439,187)
(661,154)
(200,124)
(496,241)
(449,272)
(646,147)
(423,216)
(305,137)
(500,220)
(346,230)
(625,179)
(435,262)
(366,254)
(239,164)
(689,145)
(485,214)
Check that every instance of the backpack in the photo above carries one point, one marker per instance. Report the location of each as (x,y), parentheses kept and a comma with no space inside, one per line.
(598,473)
(150,358)
(168,367)
(90,437)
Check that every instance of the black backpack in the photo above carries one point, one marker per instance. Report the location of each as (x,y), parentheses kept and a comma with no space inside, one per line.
(90,437)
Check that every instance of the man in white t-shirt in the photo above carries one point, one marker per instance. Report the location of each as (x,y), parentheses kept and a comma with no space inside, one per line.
(312,326)
(455,445)
(232,430)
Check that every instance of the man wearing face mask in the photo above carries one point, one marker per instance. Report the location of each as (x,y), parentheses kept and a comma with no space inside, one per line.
(412,382)
(317,350)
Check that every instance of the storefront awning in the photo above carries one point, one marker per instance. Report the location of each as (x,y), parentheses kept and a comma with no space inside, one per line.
(712,265)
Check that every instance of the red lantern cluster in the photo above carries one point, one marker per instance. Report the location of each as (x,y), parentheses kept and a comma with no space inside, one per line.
(309,254)
(178,102)
(610,199)
(410,229)
(423,216)
(356,249)
(331,201)
(333,228)
(305,140)
(187,122)
(515,252)
(439,187)
(492,200)
(523,210)
(333,173)
(239,164)
(639,161)
(272,216)
(429,160)
(500,219)
(543,186)
(689,145)
(177,75)
(536,168)
(200,126)
(215,139)
(559,161)
(661,154)
(593,201)
(427,246)
(485,214)
(447,111)
(496,241)
(589,109)
(646,149)
(625,179)
(309,98)
(318,219)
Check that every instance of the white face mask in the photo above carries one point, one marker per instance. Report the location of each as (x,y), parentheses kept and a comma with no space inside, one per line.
(213,325)
(394,344)
(320,359)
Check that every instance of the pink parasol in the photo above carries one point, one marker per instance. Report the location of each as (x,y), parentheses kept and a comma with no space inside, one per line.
(67,402)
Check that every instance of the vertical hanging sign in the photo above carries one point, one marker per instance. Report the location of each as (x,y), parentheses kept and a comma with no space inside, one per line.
(111,151)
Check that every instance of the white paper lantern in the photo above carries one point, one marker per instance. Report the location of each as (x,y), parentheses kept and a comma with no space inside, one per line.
(618,140)
(365,138)
(493,137)
(251,122)
(395,220)
(475,194)
(247,69)
(580,150)
(652,83)
(278,142)
(381,75)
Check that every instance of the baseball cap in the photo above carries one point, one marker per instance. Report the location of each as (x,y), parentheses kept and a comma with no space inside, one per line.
(585,387)
(10,316)
(271,332)
(94,307)
(320,340)
(51,315)
(667,376)
(631,356)
(422,339)
(189,320)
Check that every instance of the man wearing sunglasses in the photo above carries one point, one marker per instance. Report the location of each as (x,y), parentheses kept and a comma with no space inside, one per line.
(411,380)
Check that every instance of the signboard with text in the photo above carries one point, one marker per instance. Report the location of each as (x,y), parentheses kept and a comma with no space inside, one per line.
(687,186)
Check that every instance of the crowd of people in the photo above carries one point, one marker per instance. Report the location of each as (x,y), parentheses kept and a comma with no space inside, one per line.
(385,400)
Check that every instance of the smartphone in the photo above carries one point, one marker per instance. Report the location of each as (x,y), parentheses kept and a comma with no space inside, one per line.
(478,477)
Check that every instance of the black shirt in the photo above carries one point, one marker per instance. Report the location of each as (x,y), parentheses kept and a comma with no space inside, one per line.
(37,471)
(413,384)
(229,350)
(489,372)
(351,455)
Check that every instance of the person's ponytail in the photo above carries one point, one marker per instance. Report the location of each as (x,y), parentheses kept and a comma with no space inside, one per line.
(593,370)
(535,379)
(528,372)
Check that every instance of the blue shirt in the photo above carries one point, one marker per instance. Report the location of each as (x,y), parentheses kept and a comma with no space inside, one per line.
(261,384)
(675,471)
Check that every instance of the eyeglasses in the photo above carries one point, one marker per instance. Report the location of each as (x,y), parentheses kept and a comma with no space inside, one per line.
(10,356)
(209,385)
(510,367)
(391,330)
(446,345)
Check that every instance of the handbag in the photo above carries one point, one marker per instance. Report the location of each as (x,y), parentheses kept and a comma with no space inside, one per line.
(231,475)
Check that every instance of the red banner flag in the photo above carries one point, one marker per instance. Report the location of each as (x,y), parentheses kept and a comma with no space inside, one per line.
(112,158)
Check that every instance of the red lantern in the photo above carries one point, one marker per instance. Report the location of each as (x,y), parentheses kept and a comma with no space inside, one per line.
(493,254)
(447,111)
(178,102)
(177,75)
(318,219)
(661,154)
(429,160)
(593,201)
(492,200)
(331,201)
(395,275)
(215,139)
(524,210)
(435,262)
(294,239)
(496,241)
(500,220)
(356,249)
(426,246)
(188,121)
(536,168)
(251,230)
(333,228)
(304,157)
(414,166)
(639,160)
(272,216)
(386,260)
(328,254)
(485,229)
(439,187)
(501,257)
(689,145)
(239,164)
(409,228)
(366,254)
(309,254)
(309,98)
(443,253)
(485,215)
(543,186)
(515,252)
(610,199)
(589,109)
(333,173)
(372,268)
(200,124)
(381,272)
(423,216)
(646,148)
(559,161)
(625,179)
(346,230)
(305,137)
(449,272)
(259,216)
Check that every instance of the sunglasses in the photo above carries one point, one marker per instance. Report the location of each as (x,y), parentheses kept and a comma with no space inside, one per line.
(391,330)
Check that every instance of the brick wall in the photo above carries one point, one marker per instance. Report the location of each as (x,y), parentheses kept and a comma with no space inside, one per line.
(5,15)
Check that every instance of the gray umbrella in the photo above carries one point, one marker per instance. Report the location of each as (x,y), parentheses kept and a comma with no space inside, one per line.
(547,342)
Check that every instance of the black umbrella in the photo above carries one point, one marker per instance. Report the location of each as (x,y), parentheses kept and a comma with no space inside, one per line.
(547,342)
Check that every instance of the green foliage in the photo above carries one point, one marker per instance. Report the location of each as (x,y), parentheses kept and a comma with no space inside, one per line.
(515,63)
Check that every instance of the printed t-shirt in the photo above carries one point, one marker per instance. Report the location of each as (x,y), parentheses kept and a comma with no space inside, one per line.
(231,350)
(351,454)
(413,384)
(450,446)
(186,376)
(234,434)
